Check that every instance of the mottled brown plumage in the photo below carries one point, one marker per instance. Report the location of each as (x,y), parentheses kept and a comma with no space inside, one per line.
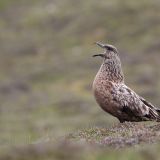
(114,96)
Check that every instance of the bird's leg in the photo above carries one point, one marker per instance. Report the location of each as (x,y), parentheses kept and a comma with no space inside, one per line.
(121,120)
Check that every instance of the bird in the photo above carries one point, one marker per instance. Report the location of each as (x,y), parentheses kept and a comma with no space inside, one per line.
(116,98)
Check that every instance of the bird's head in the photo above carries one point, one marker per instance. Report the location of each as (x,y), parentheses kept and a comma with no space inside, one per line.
(110,50)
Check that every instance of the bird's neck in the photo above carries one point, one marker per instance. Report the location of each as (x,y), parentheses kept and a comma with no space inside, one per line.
(111,70)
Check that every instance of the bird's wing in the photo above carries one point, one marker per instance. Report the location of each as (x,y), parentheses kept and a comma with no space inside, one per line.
(131,103)
(149,104)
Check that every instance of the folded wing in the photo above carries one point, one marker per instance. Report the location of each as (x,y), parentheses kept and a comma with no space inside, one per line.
(134,107)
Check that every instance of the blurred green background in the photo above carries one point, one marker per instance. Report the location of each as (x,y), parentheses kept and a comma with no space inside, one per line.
(46,68)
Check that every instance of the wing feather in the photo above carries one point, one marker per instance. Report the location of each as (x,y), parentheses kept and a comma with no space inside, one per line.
(139,107)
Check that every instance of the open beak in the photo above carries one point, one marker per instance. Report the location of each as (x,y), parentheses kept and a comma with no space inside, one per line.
(102,46)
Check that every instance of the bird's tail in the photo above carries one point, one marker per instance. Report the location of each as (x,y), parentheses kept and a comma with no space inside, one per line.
(154,114)
(158,111)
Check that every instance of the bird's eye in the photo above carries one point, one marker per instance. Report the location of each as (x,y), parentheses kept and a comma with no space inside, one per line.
(110,49)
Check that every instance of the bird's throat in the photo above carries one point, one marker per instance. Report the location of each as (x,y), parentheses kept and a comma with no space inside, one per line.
(111,70)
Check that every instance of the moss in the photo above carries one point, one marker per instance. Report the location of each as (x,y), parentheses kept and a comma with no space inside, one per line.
(121,135)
